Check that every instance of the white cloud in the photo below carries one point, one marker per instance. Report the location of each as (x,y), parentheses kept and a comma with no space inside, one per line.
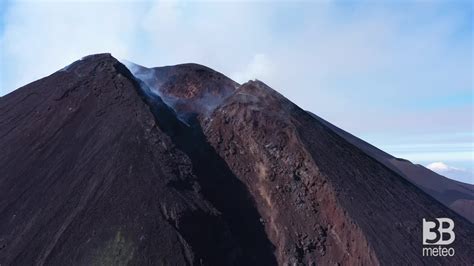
(355,65)
(440,167)
(460,174)
(42,37)
(318,54)
(260,67)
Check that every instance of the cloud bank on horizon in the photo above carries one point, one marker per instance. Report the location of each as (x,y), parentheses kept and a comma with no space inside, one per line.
(453,172)
(396,74)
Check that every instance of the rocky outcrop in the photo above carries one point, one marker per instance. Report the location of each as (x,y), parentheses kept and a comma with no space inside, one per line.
(180,165)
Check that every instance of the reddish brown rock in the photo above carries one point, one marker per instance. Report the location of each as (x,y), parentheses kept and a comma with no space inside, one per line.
(184,166)
(323,201)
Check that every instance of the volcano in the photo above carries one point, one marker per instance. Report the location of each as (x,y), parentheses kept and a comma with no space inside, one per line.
(107,164)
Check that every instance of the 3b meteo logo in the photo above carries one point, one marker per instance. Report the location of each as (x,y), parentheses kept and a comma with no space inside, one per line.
(437,233)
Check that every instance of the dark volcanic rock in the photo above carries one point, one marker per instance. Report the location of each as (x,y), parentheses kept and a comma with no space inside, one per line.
(457,195)
(89,178)
(181,165)
(188,88)
(323,200)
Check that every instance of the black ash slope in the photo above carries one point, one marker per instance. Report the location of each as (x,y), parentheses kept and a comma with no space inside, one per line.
(181,165)
(89,178)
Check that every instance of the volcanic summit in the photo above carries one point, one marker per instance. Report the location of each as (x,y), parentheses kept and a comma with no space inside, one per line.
(107,164)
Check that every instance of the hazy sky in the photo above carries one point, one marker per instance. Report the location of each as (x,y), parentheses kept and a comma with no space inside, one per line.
(397,74)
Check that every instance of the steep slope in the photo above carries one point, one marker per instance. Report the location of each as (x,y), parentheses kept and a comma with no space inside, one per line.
(88,178)
(321,199)
(180,165)
(456,195)
(188,88)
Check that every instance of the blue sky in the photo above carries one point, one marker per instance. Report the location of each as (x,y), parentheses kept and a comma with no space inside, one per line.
(399,74)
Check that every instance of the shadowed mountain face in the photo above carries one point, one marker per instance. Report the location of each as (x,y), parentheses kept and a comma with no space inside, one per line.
(456,195)
(89,178)
(181,165)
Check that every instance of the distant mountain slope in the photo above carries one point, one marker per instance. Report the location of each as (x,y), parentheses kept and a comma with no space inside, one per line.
(180,165)
(454,194)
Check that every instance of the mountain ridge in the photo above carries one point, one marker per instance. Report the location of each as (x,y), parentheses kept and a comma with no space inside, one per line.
(454,194)
(101,168)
